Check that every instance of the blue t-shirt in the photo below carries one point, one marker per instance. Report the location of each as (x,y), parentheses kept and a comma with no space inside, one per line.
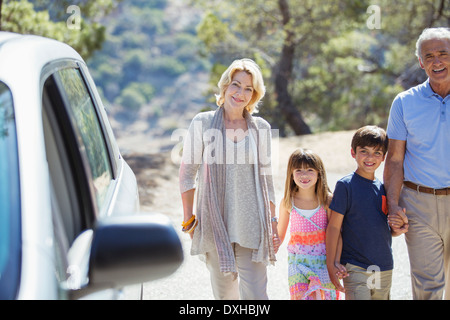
(421,117)
(366,234)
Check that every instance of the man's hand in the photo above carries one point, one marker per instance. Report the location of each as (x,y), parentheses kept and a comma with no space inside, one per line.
(397,219)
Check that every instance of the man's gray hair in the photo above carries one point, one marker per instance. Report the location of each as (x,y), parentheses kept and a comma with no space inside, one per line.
(429,34)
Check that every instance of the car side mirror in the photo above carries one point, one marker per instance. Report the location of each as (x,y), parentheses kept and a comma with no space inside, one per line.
(129,250)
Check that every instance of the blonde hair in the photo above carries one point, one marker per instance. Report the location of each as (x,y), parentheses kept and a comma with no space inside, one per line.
(249,66)
(304,158)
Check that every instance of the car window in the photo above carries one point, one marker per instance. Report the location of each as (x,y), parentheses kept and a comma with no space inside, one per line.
(86,119)
(9,198)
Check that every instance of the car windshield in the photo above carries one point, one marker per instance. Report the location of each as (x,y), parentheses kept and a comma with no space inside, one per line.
(9,198)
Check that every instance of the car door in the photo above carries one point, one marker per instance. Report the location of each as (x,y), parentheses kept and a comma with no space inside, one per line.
(101,246)
(81,167)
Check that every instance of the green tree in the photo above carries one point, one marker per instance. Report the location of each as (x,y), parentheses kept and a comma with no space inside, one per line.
(280,32)
(328,69)
(358,73)
(135,95)
(78,28)
(146,44)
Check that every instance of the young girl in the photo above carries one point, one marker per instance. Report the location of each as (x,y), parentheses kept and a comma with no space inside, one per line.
(305,205)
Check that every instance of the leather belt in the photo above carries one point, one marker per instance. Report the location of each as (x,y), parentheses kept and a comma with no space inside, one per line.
(436,192)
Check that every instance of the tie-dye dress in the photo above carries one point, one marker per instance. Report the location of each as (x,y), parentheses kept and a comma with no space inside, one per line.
(308,274)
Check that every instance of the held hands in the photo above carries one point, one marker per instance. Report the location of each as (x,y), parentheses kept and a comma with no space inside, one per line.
(337,272)
(276,242)
(398,220)
(342,271)
(275,237)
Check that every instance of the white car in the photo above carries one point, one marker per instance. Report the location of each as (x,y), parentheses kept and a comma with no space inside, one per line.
(70,225)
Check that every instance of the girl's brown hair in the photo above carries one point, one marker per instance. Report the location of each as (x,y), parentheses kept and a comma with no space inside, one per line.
(304,158)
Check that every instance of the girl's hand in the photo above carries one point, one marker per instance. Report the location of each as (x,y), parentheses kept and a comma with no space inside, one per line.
(341,272)
(276,242)
(334,273)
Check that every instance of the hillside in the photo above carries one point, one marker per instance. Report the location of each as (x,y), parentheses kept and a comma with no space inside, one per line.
(149,69)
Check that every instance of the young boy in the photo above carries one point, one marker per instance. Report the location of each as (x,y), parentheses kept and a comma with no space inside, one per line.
(359,211)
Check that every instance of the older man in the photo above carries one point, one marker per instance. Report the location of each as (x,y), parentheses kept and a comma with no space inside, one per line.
(417,169)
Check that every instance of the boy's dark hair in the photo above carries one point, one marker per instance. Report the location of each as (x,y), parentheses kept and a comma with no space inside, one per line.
(370,136)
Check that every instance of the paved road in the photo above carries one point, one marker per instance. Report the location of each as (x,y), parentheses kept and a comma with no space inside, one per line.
(191,280)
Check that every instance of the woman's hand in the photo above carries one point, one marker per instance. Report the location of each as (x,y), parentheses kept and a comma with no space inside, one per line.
(276,242)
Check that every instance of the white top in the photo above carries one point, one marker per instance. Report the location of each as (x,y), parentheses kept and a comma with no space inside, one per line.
(307,213)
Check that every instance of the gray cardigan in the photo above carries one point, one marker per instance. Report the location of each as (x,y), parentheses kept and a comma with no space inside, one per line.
(192,174)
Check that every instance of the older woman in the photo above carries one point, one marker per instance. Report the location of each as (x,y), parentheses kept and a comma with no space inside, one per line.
(234,224)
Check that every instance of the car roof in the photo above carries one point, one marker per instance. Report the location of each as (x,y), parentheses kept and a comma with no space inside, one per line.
(37,42)
(5,36)
(28,54)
